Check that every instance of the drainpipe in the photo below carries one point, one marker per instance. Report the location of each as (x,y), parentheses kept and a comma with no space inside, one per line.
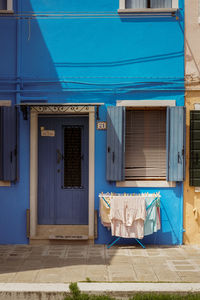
(18,53)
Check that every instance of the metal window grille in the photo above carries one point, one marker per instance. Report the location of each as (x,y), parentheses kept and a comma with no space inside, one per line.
(72,157)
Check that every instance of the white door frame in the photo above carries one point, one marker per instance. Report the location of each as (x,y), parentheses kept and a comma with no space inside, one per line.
(90,110)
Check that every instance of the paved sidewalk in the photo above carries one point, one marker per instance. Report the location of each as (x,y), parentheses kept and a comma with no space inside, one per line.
(67,263)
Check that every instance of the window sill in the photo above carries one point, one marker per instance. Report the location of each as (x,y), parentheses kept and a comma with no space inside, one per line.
(150,183)
(2,11)
(147,10)
(5,183)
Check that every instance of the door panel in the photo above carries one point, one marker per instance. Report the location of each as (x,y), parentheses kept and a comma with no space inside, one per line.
(65,158)
(46,172)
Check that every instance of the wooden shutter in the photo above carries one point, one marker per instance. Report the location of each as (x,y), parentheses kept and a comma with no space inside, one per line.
(145,144)
(115,143)
(161,3)
(176,143)
(8,146)
(195,148)
(136,3)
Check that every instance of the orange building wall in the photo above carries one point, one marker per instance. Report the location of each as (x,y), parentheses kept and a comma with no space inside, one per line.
(191,217)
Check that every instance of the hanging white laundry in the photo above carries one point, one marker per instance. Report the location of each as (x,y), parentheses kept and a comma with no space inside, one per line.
(127,216)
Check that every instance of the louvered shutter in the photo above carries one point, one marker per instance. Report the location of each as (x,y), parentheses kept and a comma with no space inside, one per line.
(176,143)
(195,148)
(161,3)
(145,144)
(8,146)
(136,3)
(115,143)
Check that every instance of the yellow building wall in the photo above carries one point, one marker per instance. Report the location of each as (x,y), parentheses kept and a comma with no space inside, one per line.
(191,212)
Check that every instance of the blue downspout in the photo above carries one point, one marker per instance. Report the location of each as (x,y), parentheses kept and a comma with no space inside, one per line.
(18,54)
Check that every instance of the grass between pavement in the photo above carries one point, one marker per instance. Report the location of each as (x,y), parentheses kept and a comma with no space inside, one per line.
(77,295)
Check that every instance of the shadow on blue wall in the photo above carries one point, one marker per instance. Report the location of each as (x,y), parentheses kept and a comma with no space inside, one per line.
(26,66)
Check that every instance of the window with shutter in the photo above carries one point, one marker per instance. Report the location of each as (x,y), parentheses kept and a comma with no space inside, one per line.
(8,143)
(195,148)
(145,156)
(146,144)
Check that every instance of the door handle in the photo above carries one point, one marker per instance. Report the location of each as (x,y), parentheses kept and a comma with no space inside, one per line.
(179,158)
(59,156)
(113,157)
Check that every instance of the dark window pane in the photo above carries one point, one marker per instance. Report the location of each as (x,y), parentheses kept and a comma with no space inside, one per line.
(3,4)
(72,157)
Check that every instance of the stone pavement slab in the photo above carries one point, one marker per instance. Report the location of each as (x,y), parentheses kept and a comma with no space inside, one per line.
(68,263)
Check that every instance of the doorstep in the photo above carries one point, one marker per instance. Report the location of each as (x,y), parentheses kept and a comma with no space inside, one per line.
(60,240)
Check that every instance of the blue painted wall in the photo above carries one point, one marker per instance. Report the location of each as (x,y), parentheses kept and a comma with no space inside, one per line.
(83,51)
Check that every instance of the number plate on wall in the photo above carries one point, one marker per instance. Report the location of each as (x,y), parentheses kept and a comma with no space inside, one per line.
(101,125)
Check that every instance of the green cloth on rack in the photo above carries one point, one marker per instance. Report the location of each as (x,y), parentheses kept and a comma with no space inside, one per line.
(150,223)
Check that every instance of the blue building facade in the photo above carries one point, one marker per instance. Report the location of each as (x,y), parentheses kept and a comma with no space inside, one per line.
(65,67)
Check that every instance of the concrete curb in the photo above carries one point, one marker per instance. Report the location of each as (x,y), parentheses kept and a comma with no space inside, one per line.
(140,287)
(23,291)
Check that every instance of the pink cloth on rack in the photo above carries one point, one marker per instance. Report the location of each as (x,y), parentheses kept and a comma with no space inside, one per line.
(127,216)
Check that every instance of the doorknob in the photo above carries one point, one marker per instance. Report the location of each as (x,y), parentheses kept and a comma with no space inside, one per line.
(59,156)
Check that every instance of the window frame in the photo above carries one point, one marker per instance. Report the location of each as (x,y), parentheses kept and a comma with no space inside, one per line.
(146,103)
(9,7)
(129,138)
(123,9)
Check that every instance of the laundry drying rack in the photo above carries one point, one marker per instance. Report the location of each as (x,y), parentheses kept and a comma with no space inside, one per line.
(155,201)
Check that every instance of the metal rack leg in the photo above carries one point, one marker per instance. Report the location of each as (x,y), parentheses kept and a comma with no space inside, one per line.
(140,243)
(115,241)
